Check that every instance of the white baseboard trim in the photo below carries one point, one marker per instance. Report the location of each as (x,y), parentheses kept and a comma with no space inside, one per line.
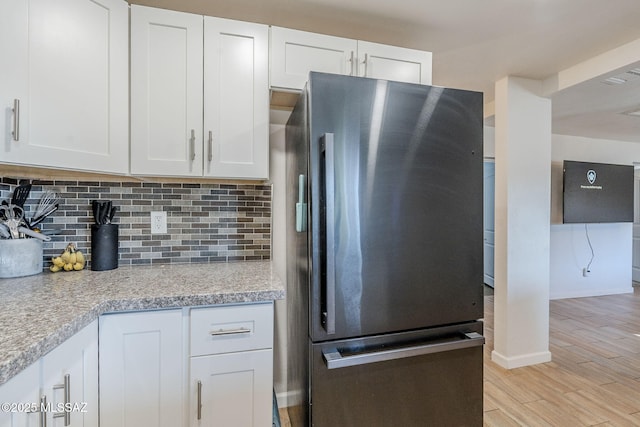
(520,361)
(590,293)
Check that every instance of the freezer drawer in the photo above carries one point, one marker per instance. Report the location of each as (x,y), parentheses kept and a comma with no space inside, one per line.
(433,380)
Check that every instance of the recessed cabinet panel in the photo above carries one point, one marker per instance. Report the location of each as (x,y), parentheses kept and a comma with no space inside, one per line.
(235,389)
(236,99)
(23,388)
(141,369)
(294,53)
(166,92)
(380,61)
(67,65)
(71,370)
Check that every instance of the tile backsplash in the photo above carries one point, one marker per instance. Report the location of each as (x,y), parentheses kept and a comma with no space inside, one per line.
(206,222)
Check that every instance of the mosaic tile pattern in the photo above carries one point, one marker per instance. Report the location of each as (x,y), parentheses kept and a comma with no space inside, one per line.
(206,222)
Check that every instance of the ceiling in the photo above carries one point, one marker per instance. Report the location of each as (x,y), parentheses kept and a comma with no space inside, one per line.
(475,43)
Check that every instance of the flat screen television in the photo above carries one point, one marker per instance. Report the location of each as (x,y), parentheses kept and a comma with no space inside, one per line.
(597,192)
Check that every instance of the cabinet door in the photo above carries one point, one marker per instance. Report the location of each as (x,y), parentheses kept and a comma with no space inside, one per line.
(294,53)
(236,99)
(141,369)
(23,388)
(236,389)
(70,380)
(380,61)
(166,92)
(67,64)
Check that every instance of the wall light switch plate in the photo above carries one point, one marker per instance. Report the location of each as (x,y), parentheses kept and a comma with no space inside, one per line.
(158,222)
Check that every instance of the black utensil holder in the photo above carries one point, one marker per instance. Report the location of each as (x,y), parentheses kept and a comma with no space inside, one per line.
(104,246)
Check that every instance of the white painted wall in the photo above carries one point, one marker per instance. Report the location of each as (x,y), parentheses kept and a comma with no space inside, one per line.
(278,252)
(612,243)
(611,268)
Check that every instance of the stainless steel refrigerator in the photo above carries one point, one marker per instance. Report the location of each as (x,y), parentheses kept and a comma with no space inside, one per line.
(384,253)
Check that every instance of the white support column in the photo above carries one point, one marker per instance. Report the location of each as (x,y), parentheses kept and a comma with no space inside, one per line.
(522,223)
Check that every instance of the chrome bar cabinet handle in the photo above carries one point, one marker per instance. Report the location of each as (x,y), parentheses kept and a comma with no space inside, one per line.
(352,60)
(366,64)
(16,120)
(199,402)
(66,386)
(229,331)
(210,142)
(192,144)
(43,412)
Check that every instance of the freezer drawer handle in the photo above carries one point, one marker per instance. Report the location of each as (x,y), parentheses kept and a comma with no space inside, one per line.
(229,331)
(335,360)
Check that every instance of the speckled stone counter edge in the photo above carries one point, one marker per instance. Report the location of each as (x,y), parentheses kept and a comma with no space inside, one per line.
(19,359)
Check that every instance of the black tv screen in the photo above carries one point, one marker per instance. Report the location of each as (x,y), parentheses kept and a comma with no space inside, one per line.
(597,192)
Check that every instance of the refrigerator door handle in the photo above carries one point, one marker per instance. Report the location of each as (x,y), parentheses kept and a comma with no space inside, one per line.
(334,359)
(329,316)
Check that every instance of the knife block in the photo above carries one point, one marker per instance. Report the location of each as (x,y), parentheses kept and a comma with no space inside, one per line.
(104,247)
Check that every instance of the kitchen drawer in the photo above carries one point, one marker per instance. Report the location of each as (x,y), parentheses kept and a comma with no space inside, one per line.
(231,328)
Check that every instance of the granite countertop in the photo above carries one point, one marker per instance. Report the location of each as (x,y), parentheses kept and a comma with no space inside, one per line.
(37,313)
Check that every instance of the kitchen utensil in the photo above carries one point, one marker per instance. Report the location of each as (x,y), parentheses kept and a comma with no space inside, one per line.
(52,232)
(33,234)
(13,218)
(37,220)
(4,231)
(20,195)
(47,205)
(102,211)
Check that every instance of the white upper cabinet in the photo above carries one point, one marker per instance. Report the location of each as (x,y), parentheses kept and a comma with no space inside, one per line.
(64,86)
(294,53)
(166,92)
(236,99)
(381,61)
(170,95)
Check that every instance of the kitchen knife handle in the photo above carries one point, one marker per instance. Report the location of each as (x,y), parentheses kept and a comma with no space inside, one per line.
(66,386)
(16,120)
(210,144)
(192,145)
(329,188)
(334,359)
(199,401)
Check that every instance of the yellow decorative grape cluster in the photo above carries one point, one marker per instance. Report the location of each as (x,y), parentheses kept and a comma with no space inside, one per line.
(71,259)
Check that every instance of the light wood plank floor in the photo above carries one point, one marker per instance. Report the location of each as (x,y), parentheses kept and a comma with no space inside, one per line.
(593,379)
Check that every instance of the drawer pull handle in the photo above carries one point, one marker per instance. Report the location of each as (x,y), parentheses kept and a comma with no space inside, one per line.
(229,331)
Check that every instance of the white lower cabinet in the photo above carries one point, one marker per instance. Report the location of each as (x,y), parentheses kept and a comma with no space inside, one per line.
(62,386)
(192,366)
(232,389)
(142,369)
(23,388)
(70,380)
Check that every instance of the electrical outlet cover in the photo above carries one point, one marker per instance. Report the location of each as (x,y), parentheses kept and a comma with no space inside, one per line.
(158,222)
